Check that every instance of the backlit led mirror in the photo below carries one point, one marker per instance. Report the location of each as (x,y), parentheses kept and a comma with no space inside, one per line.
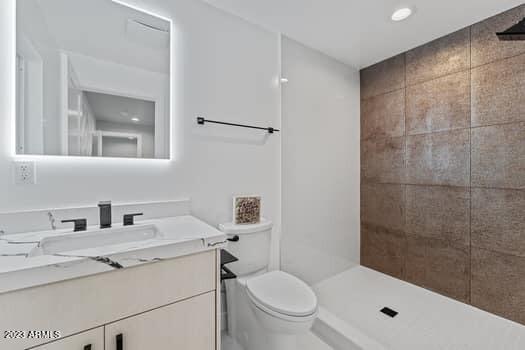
(92,80)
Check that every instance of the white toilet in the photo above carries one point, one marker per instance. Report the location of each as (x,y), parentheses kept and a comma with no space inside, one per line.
(266,310)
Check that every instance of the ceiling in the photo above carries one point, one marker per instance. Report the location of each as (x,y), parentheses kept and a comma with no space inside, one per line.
(119,109)
(107,31)
(361,33)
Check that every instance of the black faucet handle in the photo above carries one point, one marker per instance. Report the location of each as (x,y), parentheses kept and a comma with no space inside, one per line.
(129,219)
(80,224)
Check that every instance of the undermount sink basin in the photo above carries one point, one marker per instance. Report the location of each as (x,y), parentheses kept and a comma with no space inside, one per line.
(94,239)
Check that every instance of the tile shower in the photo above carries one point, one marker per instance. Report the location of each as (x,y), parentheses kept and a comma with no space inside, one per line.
(443,167)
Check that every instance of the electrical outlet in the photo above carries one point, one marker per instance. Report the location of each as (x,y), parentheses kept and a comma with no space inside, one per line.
(25,173)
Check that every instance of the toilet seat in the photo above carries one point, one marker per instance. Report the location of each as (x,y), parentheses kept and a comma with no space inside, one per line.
(282,295)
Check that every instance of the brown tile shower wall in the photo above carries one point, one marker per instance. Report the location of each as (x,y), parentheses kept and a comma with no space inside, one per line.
(443,167)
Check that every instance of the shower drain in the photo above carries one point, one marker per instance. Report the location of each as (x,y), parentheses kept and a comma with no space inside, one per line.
(389,312)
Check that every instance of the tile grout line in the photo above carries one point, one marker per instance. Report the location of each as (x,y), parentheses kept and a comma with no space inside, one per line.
(467,128)
(381,138)
(469,69)
(363,99)
(405,170)
(369,183)
(406,85)
(471,66)
(466,70)
(470,172)
(500,252)
(438,77)
(497,124)
(499,60)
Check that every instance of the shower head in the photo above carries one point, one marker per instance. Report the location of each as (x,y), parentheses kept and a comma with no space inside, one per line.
(516,32)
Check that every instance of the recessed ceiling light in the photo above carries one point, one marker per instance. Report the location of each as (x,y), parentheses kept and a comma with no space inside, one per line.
(401,14)
(135,119)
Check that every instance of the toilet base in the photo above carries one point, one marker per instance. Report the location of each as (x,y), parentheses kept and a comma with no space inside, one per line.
(274,341)
(253,337)
(253,329)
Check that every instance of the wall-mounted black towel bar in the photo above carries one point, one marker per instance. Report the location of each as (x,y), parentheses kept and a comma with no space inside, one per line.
(202,121)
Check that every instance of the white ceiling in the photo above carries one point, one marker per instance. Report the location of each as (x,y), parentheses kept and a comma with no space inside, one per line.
(100,29)
(119,109)
(360,33)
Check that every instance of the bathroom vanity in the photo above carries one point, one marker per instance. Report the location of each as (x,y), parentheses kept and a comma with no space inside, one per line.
(157,288)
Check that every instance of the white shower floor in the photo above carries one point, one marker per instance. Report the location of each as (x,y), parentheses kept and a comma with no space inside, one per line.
(350,317)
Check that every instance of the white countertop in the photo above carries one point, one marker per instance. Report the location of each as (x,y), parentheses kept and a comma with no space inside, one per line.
(178,236)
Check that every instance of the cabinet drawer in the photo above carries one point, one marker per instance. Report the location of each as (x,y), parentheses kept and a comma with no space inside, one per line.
(76,305)
(188,325)
(89,340)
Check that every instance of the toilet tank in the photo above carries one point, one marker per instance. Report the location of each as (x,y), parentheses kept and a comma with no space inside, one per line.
(253,247)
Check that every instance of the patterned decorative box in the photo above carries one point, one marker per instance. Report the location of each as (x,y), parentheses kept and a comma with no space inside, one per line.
(246,210)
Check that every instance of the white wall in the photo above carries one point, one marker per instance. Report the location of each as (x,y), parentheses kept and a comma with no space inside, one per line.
(224,68)
(321,167)
(35,30)
(119,147)
(116,79)
(114,147)
(30,80)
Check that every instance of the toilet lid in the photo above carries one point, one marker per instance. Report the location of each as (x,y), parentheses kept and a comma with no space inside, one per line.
(283,293)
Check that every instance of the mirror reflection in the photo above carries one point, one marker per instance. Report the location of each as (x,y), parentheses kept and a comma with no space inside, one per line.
(93,80)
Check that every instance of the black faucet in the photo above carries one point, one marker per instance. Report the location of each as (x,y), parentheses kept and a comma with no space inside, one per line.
(105,214)
(80,224)
(128,219)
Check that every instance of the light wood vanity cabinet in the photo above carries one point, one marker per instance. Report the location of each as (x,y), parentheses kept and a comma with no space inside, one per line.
(89,340)
(166,305)
(189,324)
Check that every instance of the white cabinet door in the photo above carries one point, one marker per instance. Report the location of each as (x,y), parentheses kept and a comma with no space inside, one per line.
(89,340)
(187,325)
